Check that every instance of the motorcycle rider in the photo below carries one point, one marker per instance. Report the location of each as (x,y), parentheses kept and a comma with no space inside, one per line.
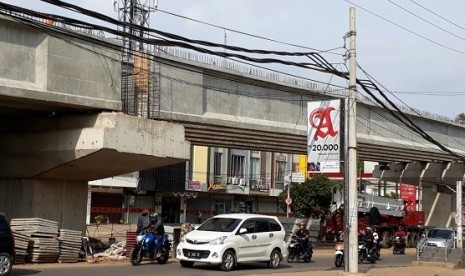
(371,239)
(143,221)
(158,229)
(376,240)
(302,235)
(400,233)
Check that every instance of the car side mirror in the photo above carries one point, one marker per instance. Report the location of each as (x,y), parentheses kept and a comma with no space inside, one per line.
(242,231)
(423,236)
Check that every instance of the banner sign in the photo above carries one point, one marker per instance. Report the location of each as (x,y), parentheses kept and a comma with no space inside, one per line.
(323,136)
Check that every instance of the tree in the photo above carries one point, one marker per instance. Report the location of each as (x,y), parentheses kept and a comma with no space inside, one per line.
(460,117)
(313,195)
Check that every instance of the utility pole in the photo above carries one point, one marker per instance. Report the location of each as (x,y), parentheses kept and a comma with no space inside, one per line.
(459,214)
(350,199)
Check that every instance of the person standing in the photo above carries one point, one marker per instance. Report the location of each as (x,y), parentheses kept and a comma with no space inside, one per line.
(199,217)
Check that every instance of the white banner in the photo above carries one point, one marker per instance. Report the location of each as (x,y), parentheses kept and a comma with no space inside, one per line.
(323,136)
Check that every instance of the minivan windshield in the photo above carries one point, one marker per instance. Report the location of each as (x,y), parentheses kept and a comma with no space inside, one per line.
(220,225)
(440,234)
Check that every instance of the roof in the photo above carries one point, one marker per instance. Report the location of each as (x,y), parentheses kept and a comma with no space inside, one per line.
(244,216)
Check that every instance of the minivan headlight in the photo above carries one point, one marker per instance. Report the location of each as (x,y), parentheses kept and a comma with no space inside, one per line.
(218,241)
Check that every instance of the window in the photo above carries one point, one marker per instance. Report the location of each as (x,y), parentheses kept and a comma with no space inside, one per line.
(217,167)
(280,170)
(220,208)
(261,225)
(237,166)
(249,225)
(254,168)
(220,225)
(274,225)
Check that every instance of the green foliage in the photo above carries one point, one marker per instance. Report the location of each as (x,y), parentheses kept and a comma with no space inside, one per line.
(393,195)
(460,117)
(313,195)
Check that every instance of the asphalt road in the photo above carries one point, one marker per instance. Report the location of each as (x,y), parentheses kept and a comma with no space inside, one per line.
(323,260)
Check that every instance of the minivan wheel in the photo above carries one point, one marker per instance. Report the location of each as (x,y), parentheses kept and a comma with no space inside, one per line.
(275,259)
(5,264)
(229,261)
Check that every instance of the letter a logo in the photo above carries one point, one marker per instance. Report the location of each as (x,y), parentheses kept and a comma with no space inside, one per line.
(320,119)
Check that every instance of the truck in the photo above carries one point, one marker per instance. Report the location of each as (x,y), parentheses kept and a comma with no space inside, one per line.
(386,214)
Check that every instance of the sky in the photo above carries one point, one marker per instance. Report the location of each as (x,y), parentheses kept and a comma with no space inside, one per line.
(414,48)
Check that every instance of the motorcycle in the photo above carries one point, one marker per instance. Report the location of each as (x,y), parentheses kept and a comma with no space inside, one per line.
(296,253)
(399,245)
(339,259)
(364,254)
(145,247)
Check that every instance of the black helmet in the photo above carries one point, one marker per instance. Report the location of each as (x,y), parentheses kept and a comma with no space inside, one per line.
(153,217)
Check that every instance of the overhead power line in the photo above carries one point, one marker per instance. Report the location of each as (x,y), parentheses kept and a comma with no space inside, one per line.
(319,63)
(445,19)
(424,20)
(407,30)
(249,34)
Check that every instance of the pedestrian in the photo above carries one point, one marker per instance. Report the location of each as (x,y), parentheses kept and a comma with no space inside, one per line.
(199,217)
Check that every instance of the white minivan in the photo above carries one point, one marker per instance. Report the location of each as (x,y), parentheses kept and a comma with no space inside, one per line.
(230,239)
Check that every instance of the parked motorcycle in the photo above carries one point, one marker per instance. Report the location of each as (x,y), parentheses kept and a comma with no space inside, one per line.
(363,254)
(296,253)
(339,259)
(398,245)
(145,247)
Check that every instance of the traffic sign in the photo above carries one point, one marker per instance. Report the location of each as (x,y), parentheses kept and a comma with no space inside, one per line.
(288,201)
(298,177)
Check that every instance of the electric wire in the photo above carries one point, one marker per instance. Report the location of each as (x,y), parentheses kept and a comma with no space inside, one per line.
(320,65)
(413,110)
(424,20)
(407,30)
(442,17)
(330,51)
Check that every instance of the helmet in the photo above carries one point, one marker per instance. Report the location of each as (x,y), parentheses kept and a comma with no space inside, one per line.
(153,217)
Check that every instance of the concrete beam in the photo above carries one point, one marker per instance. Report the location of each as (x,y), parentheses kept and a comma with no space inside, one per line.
(454,172)
(89,147)
(432,174)
(390,172)
(412,172)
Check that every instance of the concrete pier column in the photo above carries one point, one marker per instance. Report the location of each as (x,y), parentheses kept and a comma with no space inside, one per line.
(57,200)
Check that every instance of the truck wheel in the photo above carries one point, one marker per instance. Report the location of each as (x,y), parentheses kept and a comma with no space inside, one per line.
(407,240)
(414,239)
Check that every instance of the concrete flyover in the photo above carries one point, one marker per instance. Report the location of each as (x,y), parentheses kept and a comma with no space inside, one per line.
(62,126)
(62,123)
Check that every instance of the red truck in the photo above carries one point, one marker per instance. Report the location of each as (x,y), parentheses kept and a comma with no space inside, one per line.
(384,213)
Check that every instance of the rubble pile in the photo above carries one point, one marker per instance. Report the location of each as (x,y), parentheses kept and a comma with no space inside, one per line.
(115,252)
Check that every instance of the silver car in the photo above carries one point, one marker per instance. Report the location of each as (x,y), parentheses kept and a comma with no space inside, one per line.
(438,237)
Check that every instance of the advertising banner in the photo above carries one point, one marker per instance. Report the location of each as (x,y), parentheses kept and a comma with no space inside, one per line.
(323,136)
